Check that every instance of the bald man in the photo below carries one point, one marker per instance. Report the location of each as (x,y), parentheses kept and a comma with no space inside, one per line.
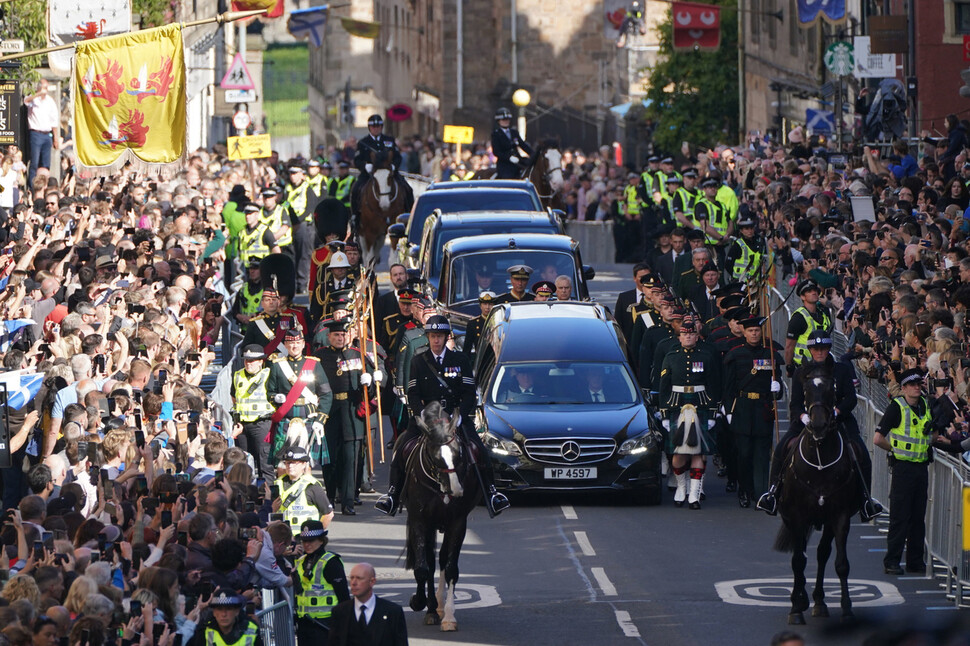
(382,623)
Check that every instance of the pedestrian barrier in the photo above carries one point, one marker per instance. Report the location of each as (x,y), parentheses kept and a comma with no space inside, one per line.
(276,620)
(595,240)
(949,476)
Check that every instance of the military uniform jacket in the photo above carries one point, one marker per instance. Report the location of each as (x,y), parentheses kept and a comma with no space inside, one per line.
(391,332)
(667,345)
(450,383)
(646,353)
(317,386)
(343,368)
(413,342)
(635,322)
(690,368)
(509,297)
(748,373)
(262,329)
(845,396)
(472,332)
(367,145)
(726,344)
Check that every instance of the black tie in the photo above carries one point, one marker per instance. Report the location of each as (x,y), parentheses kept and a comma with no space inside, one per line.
(441,359)
(596,397)
(362,620)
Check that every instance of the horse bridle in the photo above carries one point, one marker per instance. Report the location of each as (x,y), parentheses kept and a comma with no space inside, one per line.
(427,440)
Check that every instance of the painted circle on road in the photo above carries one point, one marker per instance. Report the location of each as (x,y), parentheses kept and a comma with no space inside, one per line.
(775,593)
(467,595)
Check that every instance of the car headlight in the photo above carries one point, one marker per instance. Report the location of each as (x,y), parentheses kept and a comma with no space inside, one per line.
(640,444)
(500,446)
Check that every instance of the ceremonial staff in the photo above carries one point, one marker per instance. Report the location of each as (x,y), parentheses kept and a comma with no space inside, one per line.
(361,311)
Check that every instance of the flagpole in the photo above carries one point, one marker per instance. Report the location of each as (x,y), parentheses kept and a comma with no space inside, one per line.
(229,16)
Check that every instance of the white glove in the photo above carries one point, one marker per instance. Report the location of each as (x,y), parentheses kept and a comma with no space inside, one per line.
(804,419)
(710,424)
(378,376)
(729,417)
(514,159)
(279,398)
(399,391)
(775,386)
(365,379)
(393,167)
(318,434)
(666,424)
(369,168)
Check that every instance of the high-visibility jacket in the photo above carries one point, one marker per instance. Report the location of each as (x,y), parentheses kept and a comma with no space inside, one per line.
(342,191)
(459,176)
(749,264)
(274,220)
(318,597)
(631,199)
(801,343)
(249,300)
(214,638)
(717,219)
(251,245)
(688,199)
(295,506)
(911,438)
(296,198)
(727,198)
(252,401)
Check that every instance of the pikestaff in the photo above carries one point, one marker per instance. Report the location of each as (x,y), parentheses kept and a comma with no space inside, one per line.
(363,313)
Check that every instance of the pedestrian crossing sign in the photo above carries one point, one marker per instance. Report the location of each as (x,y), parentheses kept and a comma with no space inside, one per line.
(251,147)
(237,76)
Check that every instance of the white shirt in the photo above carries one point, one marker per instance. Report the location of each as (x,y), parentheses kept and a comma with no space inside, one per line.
(43,114)
(439,358)
(368,607)
(597,396)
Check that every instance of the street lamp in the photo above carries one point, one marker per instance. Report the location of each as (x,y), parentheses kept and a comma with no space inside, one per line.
(521,98)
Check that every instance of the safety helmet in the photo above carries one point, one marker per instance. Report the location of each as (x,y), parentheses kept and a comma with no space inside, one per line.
(375,120)
(503,113)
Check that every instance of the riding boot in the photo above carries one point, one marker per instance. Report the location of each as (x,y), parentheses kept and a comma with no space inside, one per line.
(768,502)
(694,495)
(680,477)
(869,507)
(495,499)
(389,502)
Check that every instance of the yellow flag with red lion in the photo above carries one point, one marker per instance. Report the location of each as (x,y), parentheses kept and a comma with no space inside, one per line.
(128,93)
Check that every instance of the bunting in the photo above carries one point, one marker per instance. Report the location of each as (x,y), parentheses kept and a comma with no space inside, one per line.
(310,23)
(361,28)
(274,8)
(128,94)
(70,21)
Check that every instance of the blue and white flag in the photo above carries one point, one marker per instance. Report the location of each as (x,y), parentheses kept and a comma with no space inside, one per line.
(308,22)
(820,121)
(811,10)
(19,394)
(11,332)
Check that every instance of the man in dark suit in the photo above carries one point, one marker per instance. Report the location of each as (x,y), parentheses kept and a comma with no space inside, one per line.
(511,152)
(367,620)
(663,263)
(703,296)
(635,297)
(386,304)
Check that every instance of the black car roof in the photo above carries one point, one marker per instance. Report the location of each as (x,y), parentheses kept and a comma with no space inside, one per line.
(457,220)
(500,241)
(567,331)
(482,183)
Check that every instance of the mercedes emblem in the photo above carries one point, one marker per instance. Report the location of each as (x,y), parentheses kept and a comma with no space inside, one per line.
(570,451)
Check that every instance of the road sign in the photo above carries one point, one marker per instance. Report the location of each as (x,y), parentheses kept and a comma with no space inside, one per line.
(241,120)
(251,147)
(240,96)
(237,76)
(839,59)
(11,46)
(458,135)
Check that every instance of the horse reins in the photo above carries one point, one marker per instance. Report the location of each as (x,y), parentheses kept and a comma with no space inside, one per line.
(818,455)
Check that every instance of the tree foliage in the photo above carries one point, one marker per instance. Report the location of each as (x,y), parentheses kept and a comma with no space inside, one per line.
(695,94)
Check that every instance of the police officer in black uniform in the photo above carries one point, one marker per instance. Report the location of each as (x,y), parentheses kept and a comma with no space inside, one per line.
(376,142)
(444,376)
(511,152)
(751,385)
(843,374)
(486,301)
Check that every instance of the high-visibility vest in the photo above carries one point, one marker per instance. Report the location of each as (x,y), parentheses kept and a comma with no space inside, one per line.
(458,176)
(801,343)
(250,300)
(343,189)
(910,438)
(716,218)
(688,199)
(632,200)
(297,199)
(251,245)
(214,638)
(295,506)
(748,265)
(317,598)
(646,179)
(252,402)
(317,184)
(274,220)
(728,199)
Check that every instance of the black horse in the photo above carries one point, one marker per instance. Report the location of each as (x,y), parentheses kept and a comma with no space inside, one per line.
(820,489)
(440,491)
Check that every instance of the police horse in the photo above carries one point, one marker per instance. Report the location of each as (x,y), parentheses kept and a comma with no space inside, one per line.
(820,490)
(545,173)
(440,491)
(382,198)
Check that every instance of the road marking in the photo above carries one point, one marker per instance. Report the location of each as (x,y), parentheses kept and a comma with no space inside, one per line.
(569,512)
(953,607)
(575,561)
(604,581)
(626,624)
(775,593)
(872,538)
(584,544)
(467,595)
(931,592)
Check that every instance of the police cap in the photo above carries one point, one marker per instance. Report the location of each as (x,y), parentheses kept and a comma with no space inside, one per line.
(437,323)
(296,454)
(375,120)
(819,339)
(312,530)
(808,285)
(910,376)
(226,598)
(710,182)
(253,352)
(691,173)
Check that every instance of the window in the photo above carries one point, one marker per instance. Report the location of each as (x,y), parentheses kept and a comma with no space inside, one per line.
(962,17)
(754,20)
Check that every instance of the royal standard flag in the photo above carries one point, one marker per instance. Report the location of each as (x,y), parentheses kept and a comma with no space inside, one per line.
(128,93)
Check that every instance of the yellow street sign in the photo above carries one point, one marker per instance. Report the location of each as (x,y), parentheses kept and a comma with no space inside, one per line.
(251,147)
(458,135)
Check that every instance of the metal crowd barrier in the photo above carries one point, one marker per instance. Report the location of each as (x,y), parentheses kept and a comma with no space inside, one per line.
(949,476)
(276,624)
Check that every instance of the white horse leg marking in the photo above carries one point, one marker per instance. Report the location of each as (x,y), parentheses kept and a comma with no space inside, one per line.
(442,593)
(448,622)
(449,460)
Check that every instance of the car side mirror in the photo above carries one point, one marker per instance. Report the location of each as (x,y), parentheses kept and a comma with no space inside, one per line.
(588,272)
(403,218)
(396,230)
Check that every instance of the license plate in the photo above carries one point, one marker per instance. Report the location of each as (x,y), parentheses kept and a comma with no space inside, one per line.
(570,473)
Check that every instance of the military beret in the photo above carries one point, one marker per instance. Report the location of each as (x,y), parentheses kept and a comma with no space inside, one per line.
(295,332)
(709,267)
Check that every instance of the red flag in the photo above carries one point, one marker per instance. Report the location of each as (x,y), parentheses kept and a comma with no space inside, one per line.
(696,26)
(274,7)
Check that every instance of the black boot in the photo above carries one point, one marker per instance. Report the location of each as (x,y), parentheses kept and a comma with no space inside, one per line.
(496,500)
(389,502)
(768,502)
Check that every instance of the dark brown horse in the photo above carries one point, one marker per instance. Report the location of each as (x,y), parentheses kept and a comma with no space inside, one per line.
(382,199)
(440,491)
(820,489)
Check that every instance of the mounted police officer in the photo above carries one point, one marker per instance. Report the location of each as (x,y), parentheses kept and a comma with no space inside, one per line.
(227,624)
(748,253)
(252,408)
(512,153)
(843,375)
(445,376)
(805,320)
(321,583)
(302,497)
(376,142)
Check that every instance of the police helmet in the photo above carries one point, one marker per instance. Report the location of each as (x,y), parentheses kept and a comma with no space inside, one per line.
(437,323)
(819,339)
(503,113)
(375,120)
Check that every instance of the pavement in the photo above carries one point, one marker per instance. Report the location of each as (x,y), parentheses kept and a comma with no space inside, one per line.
(593,569)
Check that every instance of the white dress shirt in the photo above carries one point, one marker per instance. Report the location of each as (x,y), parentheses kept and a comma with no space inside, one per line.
(369,607)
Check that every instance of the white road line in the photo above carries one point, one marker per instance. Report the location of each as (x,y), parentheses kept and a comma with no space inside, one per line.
(626,623)
(604,582)
(872,538)
(569,512)
(584,544)
(931,592)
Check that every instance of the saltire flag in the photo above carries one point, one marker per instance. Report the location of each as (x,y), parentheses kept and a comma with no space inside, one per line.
(361,28)
(69,21)
(274,8)
(128,94)
(696,26)
(11,332)
(308,22)
(810,11)
(21,388)
(820,121)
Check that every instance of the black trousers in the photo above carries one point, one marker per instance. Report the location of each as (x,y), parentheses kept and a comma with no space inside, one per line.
(907,513)
(471,437)
(251,440)
(752,453)
(302,250)
(311,633)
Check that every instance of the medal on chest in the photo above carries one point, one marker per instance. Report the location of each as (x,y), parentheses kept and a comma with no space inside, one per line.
(697,366)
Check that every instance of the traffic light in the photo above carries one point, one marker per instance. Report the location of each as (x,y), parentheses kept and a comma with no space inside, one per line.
(965,90)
